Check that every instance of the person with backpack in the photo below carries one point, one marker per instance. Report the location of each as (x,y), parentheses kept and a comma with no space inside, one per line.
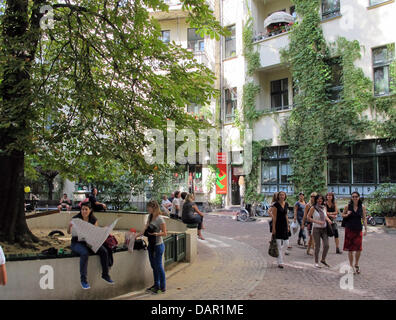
(353,215)
(155,229)
(82,249)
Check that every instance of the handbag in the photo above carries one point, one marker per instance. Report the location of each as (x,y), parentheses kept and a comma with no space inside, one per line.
(273,248)
(329,230)
(111,242)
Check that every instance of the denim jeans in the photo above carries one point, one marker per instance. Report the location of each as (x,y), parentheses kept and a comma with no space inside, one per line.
(155,257)
(83,251)
(301,234)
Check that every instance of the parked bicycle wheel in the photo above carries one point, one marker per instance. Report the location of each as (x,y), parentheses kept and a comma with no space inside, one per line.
(243,215)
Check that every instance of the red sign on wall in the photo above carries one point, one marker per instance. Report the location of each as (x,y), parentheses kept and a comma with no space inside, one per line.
(221,173)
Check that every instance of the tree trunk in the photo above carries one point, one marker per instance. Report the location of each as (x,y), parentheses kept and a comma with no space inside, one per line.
(13,227)
(15,88)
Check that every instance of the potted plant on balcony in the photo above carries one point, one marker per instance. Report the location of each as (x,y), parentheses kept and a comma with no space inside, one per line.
(383,203)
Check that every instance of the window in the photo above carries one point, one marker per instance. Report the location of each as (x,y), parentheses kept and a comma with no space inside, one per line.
(230,104)
(339,171)
(382,58)
(330,8)
(375,2)
(335,87)
(364,170)
(230,43)
(194,40)
(165,36)
(387,168)
(194,108)
(361,167)
(276,170)
(279,94)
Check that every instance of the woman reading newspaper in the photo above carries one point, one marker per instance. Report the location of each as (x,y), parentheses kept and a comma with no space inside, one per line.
(82,249)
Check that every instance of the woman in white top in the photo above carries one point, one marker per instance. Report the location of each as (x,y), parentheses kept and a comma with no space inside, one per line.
(318,216)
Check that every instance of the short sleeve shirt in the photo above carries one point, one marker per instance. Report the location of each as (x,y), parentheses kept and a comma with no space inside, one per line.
(157,223)
(175,202)
(2,257)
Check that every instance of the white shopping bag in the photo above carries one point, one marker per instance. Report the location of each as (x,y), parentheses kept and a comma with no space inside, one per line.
(294,227)
(130,237)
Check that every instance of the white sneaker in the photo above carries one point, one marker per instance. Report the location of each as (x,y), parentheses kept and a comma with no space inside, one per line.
(317,266)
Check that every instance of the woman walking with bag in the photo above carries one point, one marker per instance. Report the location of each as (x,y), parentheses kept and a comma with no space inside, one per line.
(332,212)
(353,215)
(156,228)
(318,216)
(280,226)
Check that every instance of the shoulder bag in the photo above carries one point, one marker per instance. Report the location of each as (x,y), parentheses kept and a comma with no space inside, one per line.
(273,248)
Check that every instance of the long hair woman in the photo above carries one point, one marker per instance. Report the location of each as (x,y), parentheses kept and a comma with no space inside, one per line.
(306,223)
(299,208)
(155,229)
(318,216)
(280,225)
(353,214)
(81,248)
(191,214)
(332,212)
(271,208)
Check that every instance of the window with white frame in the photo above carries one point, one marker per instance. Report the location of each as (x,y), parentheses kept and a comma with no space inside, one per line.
(382,58)
(194,40)
(165,36)
(230,99)
(330,8)
(279,94)
(375,2)
(230,43)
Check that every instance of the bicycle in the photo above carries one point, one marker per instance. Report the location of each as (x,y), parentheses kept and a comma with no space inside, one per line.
(244,215)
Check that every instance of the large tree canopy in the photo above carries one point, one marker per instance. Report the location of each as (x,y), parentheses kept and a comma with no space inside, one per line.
(84,93)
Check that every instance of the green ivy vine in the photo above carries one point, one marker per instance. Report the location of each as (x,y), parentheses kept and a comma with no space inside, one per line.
(316,120)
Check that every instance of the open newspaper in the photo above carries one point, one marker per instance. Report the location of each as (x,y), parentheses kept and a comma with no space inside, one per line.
(92,235)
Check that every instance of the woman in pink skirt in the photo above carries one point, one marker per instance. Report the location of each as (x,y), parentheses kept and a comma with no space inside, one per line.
(353,215)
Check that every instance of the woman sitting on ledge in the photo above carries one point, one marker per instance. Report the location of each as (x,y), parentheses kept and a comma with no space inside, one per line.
(81,248)
(189,215)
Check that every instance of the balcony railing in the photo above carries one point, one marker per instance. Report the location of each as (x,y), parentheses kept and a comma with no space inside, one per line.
(201,57)
(277,31)
(278,108)
(172,2)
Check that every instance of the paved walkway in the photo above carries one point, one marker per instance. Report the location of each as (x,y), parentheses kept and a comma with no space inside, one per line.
(233,263)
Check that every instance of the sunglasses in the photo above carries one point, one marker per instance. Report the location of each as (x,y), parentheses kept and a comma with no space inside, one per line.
(355,197)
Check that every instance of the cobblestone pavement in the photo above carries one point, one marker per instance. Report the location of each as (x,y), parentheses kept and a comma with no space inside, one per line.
(233,263)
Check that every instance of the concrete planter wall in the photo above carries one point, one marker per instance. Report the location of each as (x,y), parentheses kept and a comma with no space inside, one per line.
(390,222)
(28,279)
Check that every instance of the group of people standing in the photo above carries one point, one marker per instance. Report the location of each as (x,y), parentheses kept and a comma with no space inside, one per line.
(318,217)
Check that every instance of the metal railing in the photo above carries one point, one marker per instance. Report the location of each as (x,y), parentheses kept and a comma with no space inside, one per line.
(175,248)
